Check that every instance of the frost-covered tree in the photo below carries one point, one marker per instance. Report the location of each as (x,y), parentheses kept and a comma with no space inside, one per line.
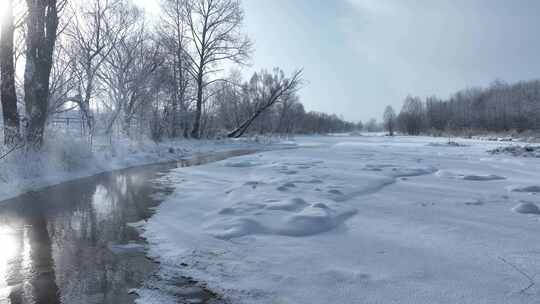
(214,27)
(372,125)
(91,36)
(174,32)
(411,117)
(359,125)
(264,90)
(7,78)
(41,26)
(128,70)
(389,120)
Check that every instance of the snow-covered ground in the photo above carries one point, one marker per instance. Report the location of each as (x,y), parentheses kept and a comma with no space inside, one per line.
(355,220)
(65,158)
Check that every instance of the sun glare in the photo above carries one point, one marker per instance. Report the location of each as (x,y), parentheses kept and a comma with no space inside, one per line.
(8,239)
(2,13)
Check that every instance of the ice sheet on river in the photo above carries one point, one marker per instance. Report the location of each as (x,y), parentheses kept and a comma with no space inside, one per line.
(356,220)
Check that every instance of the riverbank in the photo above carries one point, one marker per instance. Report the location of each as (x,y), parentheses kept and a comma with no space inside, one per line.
(63,158)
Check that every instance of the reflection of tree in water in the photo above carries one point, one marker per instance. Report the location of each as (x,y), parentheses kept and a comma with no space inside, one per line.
(68,236)
(44,288)
(83,239)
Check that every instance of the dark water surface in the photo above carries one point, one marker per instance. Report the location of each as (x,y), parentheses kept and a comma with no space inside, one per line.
(70,243)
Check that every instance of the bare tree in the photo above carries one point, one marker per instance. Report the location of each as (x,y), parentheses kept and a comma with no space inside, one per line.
(215,33)
(287,113)
(411,117)
(7,67)
(266,90)
(42,24)
(359,125)
(128,70)
(63,82)
(92,37)
(389,118)
(174,34)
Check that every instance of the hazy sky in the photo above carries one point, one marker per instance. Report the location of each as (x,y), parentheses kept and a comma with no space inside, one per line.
(360,55)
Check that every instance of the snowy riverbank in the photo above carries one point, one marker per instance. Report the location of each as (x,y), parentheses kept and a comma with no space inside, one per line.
(63,159)
(354,220)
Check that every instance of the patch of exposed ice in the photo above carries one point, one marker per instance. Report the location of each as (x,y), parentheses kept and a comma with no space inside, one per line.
(526,208)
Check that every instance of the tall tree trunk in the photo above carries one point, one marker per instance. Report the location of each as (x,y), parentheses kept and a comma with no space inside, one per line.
(195,132)
(42,23)
(174,118)
(7,66)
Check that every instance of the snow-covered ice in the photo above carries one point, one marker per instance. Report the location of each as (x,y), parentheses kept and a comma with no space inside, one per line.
(345,219)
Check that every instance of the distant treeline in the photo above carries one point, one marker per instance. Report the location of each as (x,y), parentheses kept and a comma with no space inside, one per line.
(500,107)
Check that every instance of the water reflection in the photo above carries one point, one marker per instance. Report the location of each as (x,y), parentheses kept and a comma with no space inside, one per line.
(55,245)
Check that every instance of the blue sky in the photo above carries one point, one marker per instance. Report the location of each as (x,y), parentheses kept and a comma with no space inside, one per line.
(361,55)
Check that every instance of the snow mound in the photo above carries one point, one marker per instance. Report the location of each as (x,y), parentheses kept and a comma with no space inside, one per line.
(307,181)
(412,171)
(314,220)
(236,227)
(335,192)
(253,184)
(291,217)
(245,163)
(241,208)
(287,205)
(447,144)
(474,203)
(468,176)
(481,178)
(530,189)
(286,186)
(521,151)
(397,171)
(526,208)
(376,167)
